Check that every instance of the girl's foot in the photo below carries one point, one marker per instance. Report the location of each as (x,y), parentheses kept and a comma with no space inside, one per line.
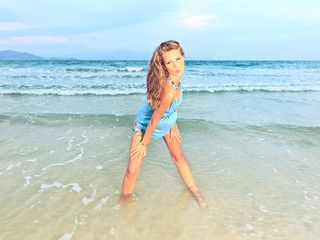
(201,201)
(123,198)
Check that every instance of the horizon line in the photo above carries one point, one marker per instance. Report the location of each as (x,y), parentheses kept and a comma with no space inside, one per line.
(16,58)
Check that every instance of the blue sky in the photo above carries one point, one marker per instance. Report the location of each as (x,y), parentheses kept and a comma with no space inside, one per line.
(207,29)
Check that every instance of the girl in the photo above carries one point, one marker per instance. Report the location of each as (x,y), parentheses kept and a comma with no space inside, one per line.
(157,118)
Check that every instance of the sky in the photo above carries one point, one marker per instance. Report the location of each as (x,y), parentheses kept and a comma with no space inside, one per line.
(207,29)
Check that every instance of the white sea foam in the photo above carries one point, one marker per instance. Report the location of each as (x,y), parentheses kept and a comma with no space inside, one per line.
(10,167)
(28,178)
(306,197)
(274,170)
(79,156)
(263,209)
(111,232)
(39,92)
(249,227)
(70,143)
(75,186)
(84,135)
(99,167)
(86,200)
(131,69)
(101,203)
(32,160)
(68,236)
(129,91)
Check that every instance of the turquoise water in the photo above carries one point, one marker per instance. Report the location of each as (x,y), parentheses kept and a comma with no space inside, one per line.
(128,77)
(250,132)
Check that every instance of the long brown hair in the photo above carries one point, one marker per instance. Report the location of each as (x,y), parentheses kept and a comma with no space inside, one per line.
(157,72)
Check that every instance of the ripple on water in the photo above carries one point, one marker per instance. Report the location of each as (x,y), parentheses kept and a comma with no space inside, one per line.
(28,178)
(75,186)
(101,203)
(249,227)
(86,200)
(263,209)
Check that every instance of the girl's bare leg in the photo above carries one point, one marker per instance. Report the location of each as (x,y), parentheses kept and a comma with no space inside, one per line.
(178,158)
(132,172)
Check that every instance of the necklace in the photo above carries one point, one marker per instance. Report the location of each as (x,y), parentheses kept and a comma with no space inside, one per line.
(175,85)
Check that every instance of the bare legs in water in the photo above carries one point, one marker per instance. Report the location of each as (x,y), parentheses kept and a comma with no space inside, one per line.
(178,158)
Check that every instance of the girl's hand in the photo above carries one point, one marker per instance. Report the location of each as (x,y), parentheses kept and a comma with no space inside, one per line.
(138,151)
(175,133)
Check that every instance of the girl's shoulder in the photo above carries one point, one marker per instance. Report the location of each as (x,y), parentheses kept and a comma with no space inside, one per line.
(169,87)
(169,91)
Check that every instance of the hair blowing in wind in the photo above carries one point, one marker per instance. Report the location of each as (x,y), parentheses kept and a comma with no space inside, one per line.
(157,73)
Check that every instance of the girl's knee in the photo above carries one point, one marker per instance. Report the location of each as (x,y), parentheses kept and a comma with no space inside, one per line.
(132,171)
(178,159)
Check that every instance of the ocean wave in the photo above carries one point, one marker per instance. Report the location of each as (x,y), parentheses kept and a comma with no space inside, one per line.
(83,69)
(126,120)
(61,119)
(107,69)
(110,89)
(249,89)
(54,92)
(132,69)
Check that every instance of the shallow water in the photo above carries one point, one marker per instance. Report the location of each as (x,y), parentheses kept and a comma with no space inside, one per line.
(63,176)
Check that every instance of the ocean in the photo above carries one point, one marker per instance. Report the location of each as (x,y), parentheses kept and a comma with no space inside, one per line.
(250,132)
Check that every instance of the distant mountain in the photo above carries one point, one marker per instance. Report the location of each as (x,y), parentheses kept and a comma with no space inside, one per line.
(12,55)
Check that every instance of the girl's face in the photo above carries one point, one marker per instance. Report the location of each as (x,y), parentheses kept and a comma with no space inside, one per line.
(174,62)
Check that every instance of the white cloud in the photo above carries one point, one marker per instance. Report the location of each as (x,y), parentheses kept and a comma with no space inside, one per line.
(27,40)
(9,26)
(199,21)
